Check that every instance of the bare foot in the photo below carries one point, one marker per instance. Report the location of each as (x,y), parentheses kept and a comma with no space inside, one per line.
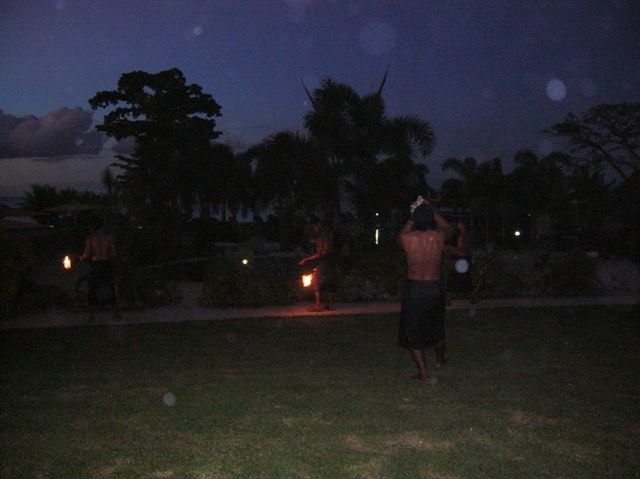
(421,377)
(314,309)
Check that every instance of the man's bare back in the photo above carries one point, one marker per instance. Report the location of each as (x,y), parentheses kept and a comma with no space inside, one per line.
(423,251)
(422,314)
(99,247)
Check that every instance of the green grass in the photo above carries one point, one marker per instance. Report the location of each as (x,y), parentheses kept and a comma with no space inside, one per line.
(527,394)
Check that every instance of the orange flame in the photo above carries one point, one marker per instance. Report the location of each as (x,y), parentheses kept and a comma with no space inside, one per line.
(307,279)
(66,262)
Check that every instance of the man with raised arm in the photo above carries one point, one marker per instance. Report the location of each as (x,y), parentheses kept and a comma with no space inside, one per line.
(423,294)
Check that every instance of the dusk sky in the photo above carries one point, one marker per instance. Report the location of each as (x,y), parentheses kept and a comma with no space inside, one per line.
(488,75)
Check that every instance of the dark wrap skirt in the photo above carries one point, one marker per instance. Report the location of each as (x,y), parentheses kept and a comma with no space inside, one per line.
(422,314)
(326,280)
(101,285)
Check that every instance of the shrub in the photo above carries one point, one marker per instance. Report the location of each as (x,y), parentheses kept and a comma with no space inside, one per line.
(376,275)
(16,262)
(229,282)
(570,275)
(619,275)
(142,286)
(495,277)
(140,282)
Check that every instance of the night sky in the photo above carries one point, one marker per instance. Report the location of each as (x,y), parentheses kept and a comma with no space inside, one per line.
(488,75)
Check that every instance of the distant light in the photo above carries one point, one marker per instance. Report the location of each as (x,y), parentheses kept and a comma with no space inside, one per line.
(516,233)
(556,90)
(377,236)
(377,214)
(245,261)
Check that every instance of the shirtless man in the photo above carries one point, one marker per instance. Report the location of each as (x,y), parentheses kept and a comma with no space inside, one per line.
(99,250)
(423,293)
(326,270)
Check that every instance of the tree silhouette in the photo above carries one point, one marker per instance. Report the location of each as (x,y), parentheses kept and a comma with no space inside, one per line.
(606,136)
(287,171)
(537,194)
(355,137)
(484,192)
(173,123)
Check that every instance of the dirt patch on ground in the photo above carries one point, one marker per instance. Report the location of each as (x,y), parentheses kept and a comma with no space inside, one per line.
(523,418)
(389,444)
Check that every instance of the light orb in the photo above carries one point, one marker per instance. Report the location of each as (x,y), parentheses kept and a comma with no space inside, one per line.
(462,266)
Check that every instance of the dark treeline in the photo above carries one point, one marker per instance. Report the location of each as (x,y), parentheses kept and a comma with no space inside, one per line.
(354,159)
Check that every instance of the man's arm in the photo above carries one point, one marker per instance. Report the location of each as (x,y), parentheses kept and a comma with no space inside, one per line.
(407,228)
(443,224)
(87,250)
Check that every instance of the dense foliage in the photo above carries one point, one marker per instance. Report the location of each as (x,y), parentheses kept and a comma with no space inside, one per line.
(353,161)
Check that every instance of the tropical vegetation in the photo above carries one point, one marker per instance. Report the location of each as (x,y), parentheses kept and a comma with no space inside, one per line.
(355,165)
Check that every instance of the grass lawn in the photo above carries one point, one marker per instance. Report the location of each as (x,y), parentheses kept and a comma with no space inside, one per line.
(526,394)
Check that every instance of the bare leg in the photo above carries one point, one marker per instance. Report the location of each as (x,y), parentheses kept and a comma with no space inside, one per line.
(441,360)
(418,357)
(330,300)
(316,306)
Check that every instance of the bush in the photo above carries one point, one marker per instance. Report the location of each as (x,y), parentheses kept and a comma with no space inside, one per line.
(16,263)
(140,281)
(571,274)
(140,287)
(376,275)
(495,277)
(229,282)
(619,275)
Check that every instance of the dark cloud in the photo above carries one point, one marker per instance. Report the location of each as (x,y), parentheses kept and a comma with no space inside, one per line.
(62,132)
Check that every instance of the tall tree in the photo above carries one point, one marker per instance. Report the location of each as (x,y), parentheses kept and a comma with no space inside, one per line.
(606,136)
(172,122)
(537,192)
(287,171)
(484,193)
(223,182)
(356,136)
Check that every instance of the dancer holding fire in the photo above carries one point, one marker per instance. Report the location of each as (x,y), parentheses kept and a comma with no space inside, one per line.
(423,293)
(326,275)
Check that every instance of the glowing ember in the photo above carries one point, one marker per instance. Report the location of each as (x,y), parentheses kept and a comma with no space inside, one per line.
(307,279)
(66,262)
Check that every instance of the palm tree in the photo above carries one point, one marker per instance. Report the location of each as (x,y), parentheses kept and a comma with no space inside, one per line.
(221,181)
(356,138)
(484,193)
(537,191)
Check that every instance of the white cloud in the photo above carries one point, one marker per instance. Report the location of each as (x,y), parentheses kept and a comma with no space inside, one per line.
(61,132)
